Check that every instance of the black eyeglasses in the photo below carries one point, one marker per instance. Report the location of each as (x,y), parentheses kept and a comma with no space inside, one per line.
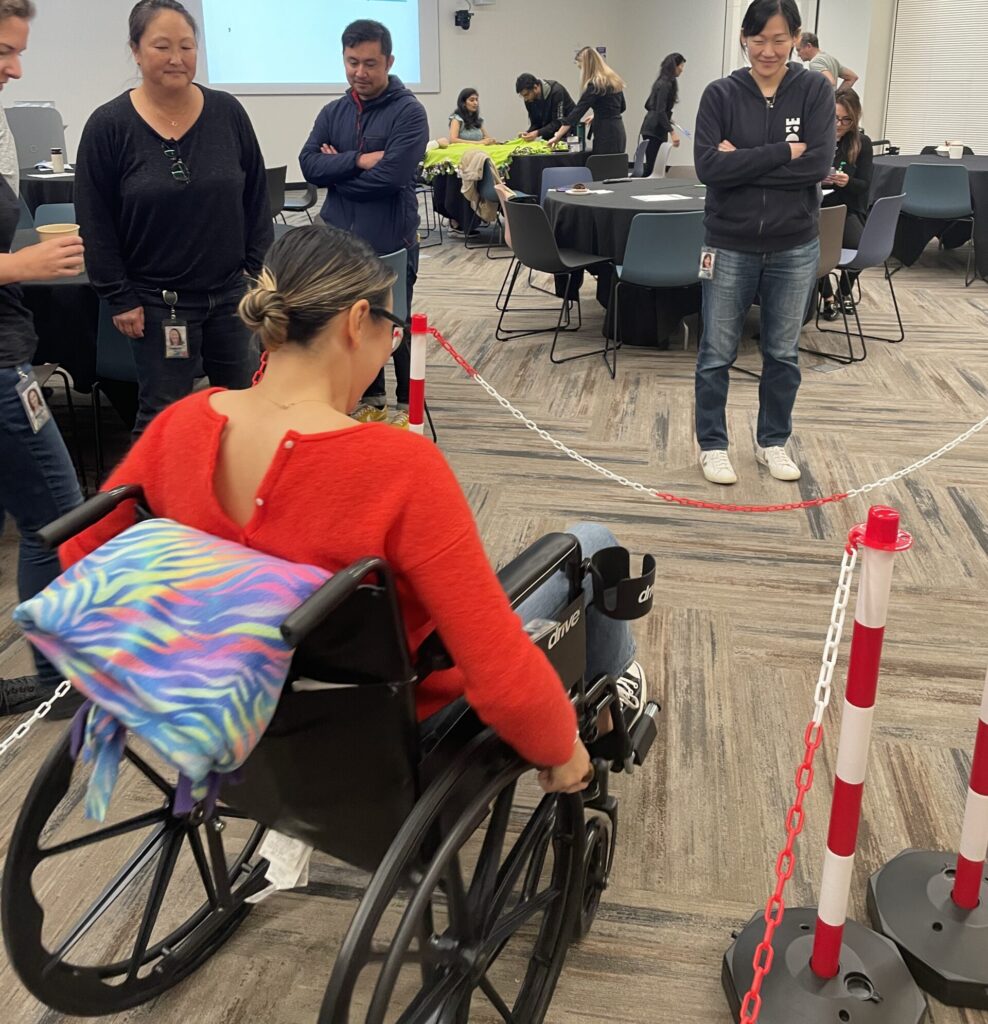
(401,326)
(180,170)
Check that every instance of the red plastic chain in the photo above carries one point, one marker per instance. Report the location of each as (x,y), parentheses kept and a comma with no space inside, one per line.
(674,499)
(784,867)
(259,375)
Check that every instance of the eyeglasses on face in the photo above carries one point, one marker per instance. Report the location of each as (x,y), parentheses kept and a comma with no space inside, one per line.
(179,169)
(400,326)
(845,120)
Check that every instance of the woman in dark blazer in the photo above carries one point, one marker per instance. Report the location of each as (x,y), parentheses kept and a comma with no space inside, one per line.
(657,126)
(603,92)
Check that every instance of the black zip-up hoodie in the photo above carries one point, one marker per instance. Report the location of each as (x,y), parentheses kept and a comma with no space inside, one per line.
(758,198)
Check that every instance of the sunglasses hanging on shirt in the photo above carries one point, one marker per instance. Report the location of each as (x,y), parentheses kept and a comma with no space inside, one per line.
(179,169)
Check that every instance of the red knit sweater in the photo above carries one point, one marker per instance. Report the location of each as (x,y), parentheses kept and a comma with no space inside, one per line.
(328,499)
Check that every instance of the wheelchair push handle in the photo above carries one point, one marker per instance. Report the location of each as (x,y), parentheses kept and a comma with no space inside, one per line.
(87,514)
(617,593)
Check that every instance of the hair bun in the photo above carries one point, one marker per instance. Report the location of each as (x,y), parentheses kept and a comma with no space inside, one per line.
(264,309)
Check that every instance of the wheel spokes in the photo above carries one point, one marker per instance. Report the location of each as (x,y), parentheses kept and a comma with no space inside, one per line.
(140,859)
(517,918)
(110,832)
(149,773)
(423,1008)
(199,855)
(494,998)
(159,886)
(488,865)
(526,850)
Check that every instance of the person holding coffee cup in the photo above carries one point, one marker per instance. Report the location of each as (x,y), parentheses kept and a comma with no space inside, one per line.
(172,196)
(37,479)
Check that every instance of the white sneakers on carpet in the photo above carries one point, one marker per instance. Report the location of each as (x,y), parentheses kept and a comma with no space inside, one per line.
(717,468)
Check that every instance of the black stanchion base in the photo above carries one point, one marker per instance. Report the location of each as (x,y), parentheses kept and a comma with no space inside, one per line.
(873,987)
(945,947)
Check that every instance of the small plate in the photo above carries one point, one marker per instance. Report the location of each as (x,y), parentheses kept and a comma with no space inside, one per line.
(578,192)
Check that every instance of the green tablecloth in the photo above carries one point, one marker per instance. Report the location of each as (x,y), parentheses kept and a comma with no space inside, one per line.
(447,161)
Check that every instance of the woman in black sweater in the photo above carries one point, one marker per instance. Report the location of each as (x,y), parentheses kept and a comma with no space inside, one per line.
(603,92)
(657,126)
(171,194)
(851,183)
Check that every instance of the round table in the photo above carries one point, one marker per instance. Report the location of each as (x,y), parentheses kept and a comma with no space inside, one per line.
(914,233)
(601,224)
(39,189)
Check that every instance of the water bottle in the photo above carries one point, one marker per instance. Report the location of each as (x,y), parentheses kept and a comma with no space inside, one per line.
(581,135)
(57,161)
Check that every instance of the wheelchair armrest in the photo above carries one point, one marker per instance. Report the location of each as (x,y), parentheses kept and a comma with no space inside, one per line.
(87,514)
(537,563)
(301,622)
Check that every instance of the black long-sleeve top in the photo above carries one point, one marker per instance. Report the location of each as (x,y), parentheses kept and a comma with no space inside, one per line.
(854,195)
(143,228)
(545,114)
(658,120)
(606,106)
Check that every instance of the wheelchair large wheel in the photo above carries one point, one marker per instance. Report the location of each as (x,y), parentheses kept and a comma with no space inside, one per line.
(469,917)
(97,919)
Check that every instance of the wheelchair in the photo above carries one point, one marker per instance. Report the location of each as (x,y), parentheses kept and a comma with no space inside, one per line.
(477,883)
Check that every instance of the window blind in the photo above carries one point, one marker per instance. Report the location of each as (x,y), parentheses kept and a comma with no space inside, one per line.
(938,81)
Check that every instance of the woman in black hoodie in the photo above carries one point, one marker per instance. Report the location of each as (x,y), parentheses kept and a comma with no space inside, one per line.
(764,141)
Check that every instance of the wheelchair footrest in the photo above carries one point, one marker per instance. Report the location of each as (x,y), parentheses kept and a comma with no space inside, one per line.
(644,731)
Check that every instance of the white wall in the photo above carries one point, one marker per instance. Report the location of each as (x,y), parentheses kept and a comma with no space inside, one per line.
(78,57)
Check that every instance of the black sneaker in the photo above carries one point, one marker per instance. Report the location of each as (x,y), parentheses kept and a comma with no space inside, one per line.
(25,693)
(829,311)
(849,305)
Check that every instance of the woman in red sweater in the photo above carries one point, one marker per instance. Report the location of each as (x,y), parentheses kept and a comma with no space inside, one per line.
(283,469)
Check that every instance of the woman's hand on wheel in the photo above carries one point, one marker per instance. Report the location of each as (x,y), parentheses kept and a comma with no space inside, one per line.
(572,777)
(130,323)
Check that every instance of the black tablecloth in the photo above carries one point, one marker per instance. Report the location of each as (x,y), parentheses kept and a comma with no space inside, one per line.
(40,189)
(524,175)
(913,233)
(600,224)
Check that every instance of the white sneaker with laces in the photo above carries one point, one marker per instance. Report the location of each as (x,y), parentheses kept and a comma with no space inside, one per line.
(633,692)
(778,462)
(717,466)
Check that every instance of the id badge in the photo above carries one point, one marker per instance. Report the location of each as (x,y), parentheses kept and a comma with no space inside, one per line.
(176,339)
(29,392)
(708,257)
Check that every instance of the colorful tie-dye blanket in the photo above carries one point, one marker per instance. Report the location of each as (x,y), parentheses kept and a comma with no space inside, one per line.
(174,635)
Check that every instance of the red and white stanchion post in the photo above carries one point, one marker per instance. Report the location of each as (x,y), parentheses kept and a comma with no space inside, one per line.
(822,967)
(416,387)
(936,908)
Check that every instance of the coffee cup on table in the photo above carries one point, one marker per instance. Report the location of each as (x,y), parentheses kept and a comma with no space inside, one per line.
(955,150)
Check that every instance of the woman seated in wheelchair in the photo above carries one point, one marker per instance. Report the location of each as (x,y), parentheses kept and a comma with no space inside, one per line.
(282,469)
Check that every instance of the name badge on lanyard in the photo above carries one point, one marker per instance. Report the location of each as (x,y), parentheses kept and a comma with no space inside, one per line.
(29,392)
(176,332)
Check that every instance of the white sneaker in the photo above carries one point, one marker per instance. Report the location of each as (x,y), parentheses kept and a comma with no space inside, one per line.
(717,467)
(633,692)
(778,462)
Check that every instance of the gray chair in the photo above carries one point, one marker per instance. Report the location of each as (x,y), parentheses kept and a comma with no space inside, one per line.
(663,251)
(638,170)
(681,171)
(940,192)
(114,361)
(276,189)
(25,218)
(607,165)
(37,131)
(932,150)
(487,190)
(535,247)
(562,177)
(661,158)
(54,213)
(874,249)
(300,203)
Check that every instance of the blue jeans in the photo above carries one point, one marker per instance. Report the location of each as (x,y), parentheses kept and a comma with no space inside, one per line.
(610,644)
(220,348)
(403,354)
(37,485)
(783,282)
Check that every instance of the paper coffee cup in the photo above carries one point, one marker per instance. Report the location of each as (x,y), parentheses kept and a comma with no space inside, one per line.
(956,150)
(50,230)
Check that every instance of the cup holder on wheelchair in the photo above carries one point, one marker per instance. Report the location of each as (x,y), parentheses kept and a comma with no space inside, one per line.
(617,593)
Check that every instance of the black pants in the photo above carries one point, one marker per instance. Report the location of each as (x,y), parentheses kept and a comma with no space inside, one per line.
(651,152)
(853,227)
(402,357)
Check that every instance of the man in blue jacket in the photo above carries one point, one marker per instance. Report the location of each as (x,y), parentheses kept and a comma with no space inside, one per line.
(365,149)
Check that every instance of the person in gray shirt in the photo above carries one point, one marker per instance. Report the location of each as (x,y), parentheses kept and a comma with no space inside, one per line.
(830,67)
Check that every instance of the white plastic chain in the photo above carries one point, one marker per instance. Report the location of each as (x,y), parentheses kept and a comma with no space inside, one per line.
(643,489)
(831,646)
(39,712)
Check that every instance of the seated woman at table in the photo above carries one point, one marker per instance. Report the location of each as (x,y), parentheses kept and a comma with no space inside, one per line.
(172,197)
(657,126)
(37,478)
(851,183)
(281,468)
(603,92)
(466,124)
